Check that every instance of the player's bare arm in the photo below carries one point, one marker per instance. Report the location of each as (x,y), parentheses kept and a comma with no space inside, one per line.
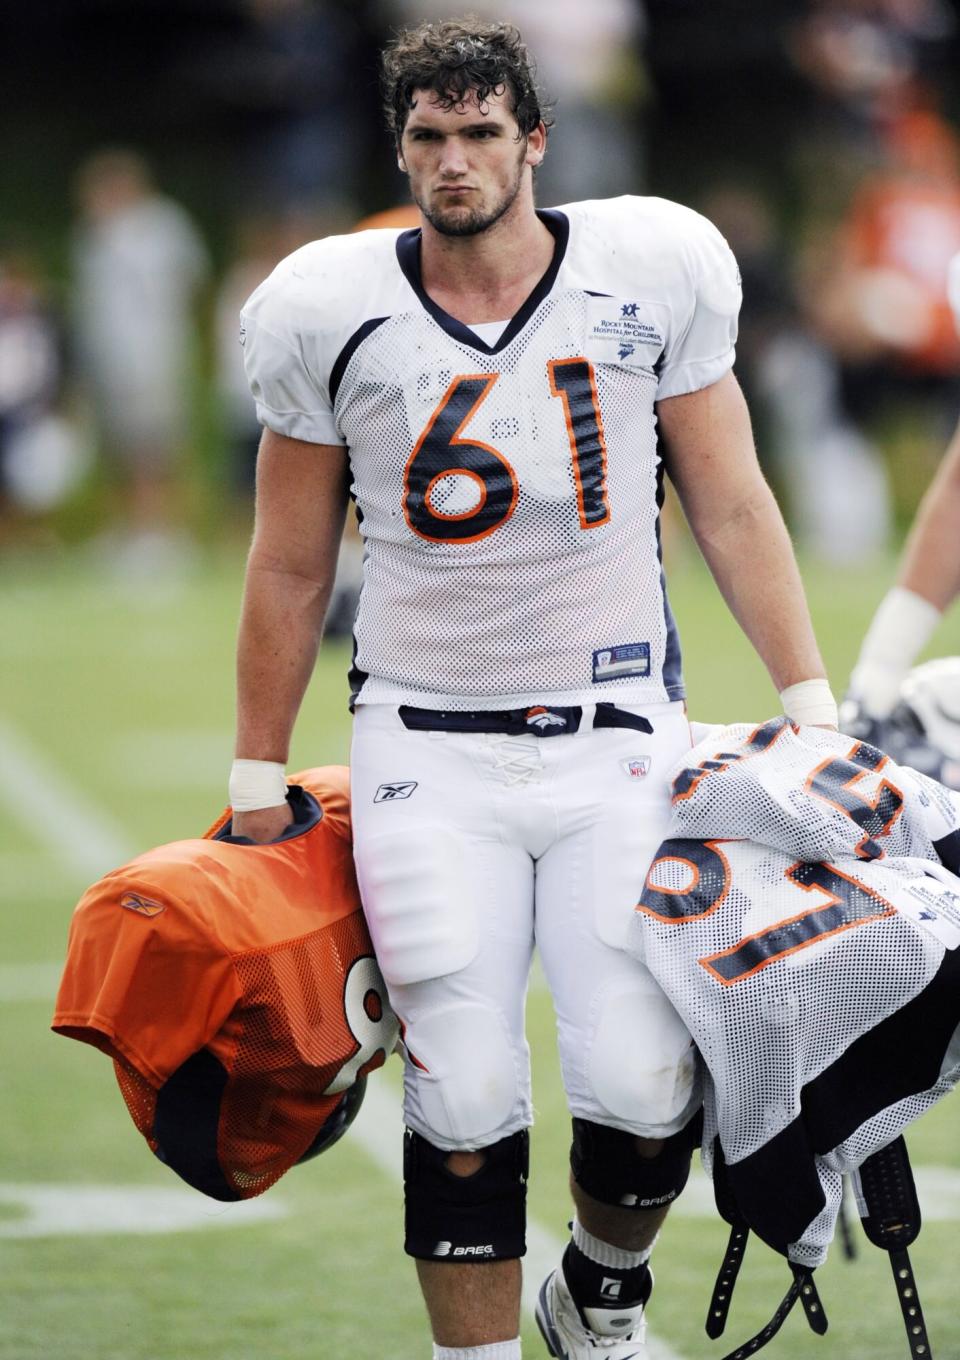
(301,501)
(931,563)
(928,580)
(738,526)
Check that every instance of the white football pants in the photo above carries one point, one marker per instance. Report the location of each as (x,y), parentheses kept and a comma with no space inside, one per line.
(472,847)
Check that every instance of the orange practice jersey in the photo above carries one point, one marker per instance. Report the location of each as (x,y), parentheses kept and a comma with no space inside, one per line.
(252,965)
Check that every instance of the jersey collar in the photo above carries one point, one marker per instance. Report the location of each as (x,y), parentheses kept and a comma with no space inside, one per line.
(408,257)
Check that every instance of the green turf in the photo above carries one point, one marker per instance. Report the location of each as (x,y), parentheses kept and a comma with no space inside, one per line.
(129,693)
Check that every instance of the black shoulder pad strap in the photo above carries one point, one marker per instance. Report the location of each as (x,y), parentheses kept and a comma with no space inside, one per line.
(736,1245)
(802,1287)
(890,1211)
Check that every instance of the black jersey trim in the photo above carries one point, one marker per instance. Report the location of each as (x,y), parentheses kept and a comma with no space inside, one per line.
(948,851)
(672,656)
(186,1125)
(776,1186)
(307,813)
(348,351)
(900,1056)
(408,257)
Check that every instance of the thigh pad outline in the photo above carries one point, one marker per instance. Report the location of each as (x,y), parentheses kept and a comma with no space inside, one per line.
(642,1067)
(419,901)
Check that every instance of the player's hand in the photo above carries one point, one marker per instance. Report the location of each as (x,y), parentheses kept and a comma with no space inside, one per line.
(262,824)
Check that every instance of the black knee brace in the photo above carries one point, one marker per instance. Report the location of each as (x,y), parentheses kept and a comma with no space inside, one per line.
(606,1164)
(482,1217)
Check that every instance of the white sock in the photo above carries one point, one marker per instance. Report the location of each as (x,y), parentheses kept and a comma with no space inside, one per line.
(619,1258)
(500,1350)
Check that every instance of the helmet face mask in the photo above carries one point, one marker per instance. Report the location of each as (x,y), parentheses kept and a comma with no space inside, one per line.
(923,731)
(337,1123)
(926,722)
(932,693)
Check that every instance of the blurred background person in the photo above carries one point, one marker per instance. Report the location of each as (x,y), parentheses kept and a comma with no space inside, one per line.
(41,459)
(883,304)
(862,387)
(138,268)
(927,583)
(259,241)
(791,377)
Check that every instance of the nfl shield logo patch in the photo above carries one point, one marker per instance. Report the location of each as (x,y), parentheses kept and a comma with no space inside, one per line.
(636,769)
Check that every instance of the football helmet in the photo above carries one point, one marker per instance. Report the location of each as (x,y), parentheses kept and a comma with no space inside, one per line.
(923,731)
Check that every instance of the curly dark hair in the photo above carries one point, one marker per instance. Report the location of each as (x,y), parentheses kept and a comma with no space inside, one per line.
(456,57)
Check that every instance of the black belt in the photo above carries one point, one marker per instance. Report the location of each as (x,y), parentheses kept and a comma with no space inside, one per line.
(539,720)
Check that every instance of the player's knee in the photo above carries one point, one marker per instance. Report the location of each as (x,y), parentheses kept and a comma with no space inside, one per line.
(642,1067)
(457,1210)
(467,1083)
(620,1169)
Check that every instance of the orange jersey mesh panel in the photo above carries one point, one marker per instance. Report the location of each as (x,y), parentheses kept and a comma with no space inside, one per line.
(286,1046)
(139,1095)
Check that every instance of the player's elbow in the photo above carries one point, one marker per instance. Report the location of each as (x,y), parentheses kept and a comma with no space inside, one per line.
(724,526)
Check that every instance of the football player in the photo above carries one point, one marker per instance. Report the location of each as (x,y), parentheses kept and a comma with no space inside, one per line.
(500,390)
(927,583)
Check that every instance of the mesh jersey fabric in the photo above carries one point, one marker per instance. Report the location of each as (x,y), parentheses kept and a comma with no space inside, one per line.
(813,793)
(508,495)
(245,966)
(822,996)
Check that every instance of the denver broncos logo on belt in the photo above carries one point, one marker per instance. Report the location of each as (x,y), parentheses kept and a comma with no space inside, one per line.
(542,718)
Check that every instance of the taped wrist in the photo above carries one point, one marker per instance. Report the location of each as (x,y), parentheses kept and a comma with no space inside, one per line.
(900,629)
(256,784)
(810,702)
(606,1164)
(453,1218)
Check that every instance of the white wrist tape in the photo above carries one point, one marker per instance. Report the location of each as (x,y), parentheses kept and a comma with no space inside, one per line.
(810,702)
(257,784)
(901,628)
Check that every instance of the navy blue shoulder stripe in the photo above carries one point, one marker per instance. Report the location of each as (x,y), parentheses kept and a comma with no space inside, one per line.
(348,351)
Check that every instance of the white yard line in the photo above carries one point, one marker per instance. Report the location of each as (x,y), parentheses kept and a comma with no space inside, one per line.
(72,1210)
(55,814)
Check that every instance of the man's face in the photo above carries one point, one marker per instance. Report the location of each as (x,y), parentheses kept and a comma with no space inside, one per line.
(466,164)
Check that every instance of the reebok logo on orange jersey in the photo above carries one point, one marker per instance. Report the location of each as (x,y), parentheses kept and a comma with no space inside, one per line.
(143,906)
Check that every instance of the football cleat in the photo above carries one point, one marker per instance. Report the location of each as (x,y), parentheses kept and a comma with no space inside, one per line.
(590,1334)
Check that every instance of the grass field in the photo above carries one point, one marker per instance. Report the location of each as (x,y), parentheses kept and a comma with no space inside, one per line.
(115,734)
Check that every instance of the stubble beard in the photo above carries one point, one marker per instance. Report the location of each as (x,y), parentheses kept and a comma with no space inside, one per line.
(455,222)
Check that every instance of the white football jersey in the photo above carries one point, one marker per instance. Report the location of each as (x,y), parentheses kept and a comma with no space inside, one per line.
(822,995)
(508,492)
(813,793)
